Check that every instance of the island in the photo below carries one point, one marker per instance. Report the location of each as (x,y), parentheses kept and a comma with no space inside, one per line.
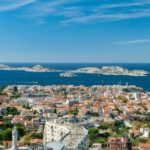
(112,70)
(36,68)
(68,74)
(106,70)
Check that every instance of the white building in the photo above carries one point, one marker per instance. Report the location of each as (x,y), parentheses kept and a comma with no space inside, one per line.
(69,136)
(145,132)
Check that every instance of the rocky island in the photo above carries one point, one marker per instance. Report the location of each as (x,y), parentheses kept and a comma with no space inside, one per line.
(112,70)
(36,68)
(106,70)
(68,74)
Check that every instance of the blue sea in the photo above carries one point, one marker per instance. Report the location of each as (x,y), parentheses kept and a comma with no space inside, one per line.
(53,78)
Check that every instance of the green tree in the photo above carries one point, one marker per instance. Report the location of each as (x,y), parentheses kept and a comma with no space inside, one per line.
(55,111)
(6,134)
(2,91)
(93,132)
(21,131)
(74,112)
(35,135)
(94,114)
(15,89)
(28,106)
(105,125)
(35,112)
(129,144)
(7,124)
(149,135)
(119,124)
(11,110)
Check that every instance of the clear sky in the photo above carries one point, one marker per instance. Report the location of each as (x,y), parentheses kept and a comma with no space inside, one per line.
(75,31)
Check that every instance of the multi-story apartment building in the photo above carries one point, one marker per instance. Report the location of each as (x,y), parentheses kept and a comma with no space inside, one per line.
(66,135)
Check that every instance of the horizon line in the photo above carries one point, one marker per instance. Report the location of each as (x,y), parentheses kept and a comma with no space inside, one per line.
(75,62)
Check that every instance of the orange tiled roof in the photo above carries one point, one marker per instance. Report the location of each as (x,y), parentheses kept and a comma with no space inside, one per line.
(1,123)
(78,105)
(144,145)
(135,131)
(35,141)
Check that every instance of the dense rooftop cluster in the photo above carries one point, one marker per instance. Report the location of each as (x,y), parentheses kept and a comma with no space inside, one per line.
(116,117)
